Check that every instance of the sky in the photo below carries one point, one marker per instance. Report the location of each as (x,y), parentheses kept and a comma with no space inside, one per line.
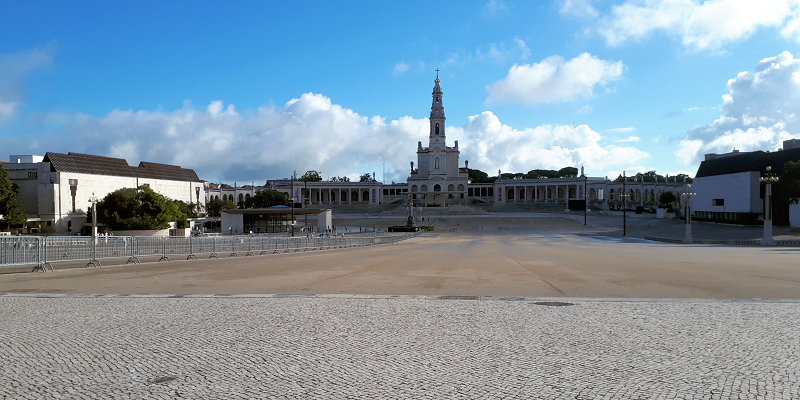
(247,91)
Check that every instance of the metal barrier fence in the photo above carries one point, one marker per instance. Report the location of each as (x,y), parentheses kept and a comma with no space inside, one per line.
(21,250)
(42,252)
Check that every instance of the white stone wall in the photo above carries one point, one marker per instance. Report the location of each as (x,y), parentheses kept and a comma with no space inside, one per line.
(740,192)
(794,215)
(231,223)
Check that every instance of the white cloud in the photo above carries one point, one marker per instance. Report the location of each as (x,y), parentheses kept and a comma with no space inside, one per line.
(620,130)
(7,110)
(495,8)
(312,132)
(629,139)
(758,112)
(400,68)
(578,8)
(490,145)
(13,68)
(554,80)
(700,25)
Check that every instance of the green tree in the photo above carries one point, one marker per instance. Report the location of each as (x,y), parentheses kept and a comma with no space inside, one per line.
(267,198)
(10,207)
(665,199)
(188,209)
(311,176)
(214,207)
(683,178)
(568,172)
(478,176)
(140,208)
(541,173)
(512,175)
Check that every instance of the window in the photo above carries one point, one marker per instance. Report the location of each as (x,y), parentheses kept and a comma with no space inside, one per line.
(437,131)
(33,175)
(718,202)
(436,163)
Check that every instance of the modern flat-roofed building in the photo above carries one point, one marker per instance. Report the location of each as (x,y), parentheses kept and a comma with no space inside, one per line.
(728,185)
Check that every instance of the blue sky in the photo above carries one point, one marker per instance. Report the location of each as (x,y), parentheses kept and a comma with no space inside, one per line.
(248,91)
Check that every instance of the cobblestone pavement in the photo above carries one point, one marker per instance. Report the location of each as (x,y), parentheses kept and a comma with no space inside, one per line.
(396,347)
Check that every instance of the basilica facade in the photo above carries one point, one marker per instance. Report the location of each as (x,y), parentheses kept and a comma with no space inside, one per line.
(438,179)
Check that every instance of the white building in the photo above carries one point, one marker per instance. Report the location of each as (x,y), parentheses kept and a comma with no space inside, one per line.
(55,189)
(728,185)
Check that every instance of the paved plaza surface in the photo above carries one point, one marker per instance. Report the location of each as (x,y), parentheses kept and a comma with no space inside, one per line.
(536,264)
(541,308)
(403,347)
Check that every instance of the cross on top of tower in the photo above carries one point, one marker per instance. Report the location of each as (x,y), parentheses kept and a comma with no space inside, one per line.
(437,73)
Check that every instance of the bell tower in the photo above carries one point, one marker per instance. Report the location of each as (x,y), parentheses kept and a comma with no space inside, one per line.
(437,135)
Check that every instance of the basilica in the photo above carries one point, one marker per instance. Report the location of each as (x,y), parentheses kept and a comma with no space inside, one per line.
(438,179)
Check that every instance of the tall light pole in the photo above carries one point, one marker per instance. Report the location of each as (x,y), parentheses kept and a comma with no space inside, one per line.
(687,198)
(291,223)
(585,199)
(93,200)
(624,196)
(769,178)
(94,261)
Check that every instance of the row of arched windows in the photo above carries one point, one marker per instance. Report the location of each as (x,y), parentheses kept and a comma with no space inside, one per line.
(437,188)
(230,197)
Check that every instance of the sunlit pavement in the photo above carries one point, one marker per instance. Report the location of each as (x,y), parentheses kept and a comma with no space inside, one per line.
(421,347)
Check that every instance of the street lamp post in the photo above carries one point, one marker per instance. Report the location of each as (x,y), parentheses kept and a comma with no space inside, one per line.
(769,178)
(624,196)
(687,196)
(94,260)
(585,199)
(291,223)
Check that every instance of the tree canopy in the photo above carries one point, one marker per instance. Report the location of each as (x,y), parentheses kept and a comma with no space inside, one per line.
(267,198)
(311,176)
(140,208)
(665,199)
(214,207)
(339,179)
(10,206)
(478,176)
(653,177)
